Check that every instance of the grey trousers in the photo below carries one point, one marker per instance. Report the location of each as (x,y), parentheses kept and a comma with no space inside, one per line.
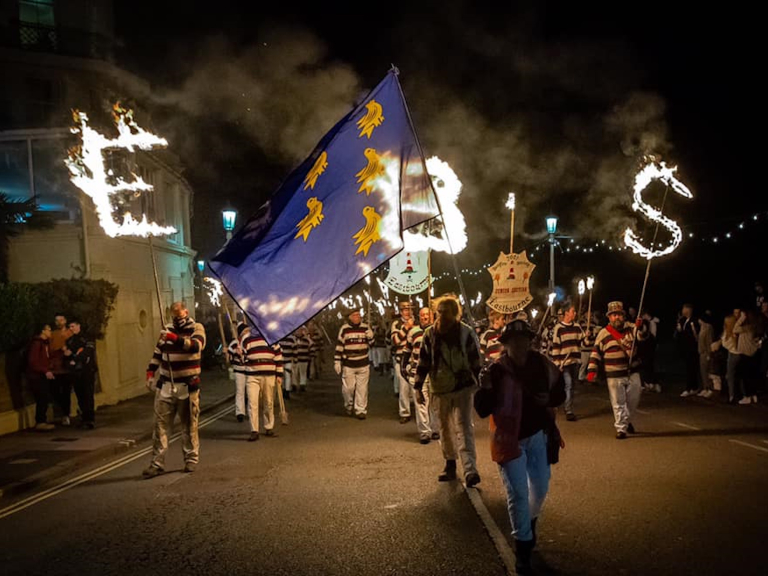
(166,409)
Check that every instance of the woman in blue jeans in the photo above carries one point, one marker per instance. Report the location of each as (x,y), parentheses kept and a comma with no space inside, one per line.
(520,391)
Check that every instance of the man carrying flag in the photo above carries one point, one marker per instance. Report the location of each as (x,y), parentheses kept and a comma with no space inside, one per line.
(351,363)
(337,217)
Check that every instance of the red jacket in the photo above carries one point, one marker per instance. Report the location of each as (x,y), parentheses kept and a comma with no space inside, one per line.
(38,358)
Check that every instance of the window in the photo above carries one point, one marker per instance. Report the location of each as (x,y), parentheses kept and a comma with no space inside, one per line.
(53,190)
(14,170)
(39,12)
(37,25)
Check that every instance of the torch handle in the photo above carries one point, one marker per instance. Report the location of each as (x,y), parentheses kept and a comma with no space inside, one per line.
(159,302)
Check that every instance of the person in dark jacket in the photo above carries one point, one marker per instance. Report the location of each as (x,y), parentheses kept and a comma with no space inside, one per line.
(520,392)
(40,375)
(80,360)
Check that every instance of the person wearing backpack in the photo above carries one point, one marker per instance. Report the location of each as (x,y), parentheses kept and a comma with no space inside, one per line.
(450,357)
(40,375)
(612,350)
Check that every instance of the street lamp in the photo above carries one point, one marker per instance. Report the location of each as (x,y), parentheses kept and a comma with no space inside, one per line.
(228,218)
(552,230)
(201,265)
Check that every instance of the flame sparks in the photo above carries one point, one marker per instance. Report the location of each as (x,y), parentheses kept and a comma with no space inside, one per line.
(448,187)
(214,290)
(643,178)
(89,172)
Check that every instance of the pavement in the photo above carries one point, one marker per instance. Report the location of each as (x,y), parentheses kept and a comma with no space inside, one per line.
(30,460)
(335,495)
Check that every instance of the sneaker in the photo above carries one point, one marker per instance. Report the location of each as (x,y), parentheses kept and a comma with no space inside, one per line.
(270,433)
(253,437)
(240,417)
(361,416)
(65,421)
(657,388)
(424,440)
(349,413)
(746,400)
(405,419)
(435,435)
(703,394)
(710,393)
(570,416)
(151,471)
(88,425)
(754,399)
(44,427)
(630,428)
(472,479)
(449,473)
(687,393)
(190,467)
(621,435)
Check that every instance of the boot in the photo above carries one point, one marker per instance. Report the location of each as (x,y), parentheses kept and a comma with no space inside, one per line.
(449,473)
(523,549)
(533,531)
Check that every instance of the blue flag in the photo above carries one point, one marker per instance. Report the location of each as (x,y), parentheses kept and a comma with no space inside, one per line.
(335,219)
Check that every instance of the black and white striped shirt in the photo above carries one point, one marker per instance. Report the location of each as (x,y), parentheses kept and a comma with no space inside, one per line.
(353,344)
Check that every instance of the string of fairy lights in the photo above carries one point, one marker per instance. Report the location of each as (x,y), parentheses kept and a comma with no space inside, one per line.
(573,245)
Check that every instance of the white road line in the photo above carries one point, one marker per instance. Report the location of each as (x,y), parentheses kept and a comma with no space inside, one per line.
(740,443)
(72,482)
(499,541)
(642,411)
(684,425)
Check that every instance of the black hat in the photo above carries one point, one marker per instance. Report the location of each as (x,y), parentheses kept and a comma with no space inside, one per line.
(517,326)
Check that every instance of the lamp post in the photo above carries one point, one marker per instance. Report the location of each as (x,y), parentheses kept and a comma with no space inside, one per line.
(228,220)
(201,265)
(552,230)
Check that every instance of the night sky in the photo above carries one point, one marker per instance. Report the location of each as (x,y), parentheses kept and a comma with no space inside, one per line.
(556,102)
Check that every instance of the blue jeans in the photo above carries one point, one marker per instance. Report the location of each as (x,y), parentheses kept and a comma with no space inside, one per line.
(526,480)
(570,375)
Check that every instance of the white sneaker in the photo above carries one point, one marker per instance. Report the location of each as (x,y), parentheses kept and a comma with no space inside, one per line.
(687,393)
(754,399)
(65,421)
(657,388)
(703,394)
(745,400)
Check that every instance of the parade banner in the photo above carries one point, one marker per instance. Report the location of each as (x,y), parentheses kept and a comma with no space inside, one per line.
(511,274)
(409,272)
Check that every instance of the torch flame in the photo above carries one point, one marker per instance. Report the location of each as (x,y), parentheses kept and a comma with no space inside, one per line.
(551,298)
(214,290)
(590,282)
(581,287)
(89,172)
(511,201)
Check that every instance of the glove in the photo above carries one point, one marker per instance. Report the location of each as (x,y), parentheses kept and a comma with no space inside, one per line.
(150,383)
(337,367)
(170,336)
(591,376)
(420,397)
(639,322)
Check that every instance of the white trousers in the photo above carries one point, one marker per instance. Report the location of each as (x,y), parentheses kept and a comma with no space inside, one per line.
(354,389)
(405,392)
(427,421)
(240,393)
(289,375)
(378,355)
(625,398)
(261,390)
(455,414)
(301,376)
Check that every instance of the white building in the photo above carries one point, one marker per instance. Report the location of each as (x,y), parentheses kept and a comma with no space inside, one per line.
(55,57)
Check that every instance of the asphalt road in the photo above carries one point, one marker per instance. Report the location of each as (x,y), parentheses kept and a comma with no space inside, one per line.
(334,495)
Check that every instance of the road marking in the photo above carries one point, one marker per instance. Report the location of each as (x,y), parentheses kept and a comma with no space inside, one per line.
(766,441)
(499,541)
(23,461)
(749,445)
(72,482)
(684,425)
(642,411)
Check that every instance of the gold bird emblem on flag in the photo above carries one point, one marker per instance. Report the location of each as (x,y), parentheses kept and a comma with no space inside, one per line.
(372,119)
(373,170)
(320,165)
(369,233)
(311,220)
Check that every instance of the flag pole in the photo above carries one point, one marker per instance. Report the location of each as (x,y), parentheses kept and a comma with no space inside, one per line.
(437,200)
